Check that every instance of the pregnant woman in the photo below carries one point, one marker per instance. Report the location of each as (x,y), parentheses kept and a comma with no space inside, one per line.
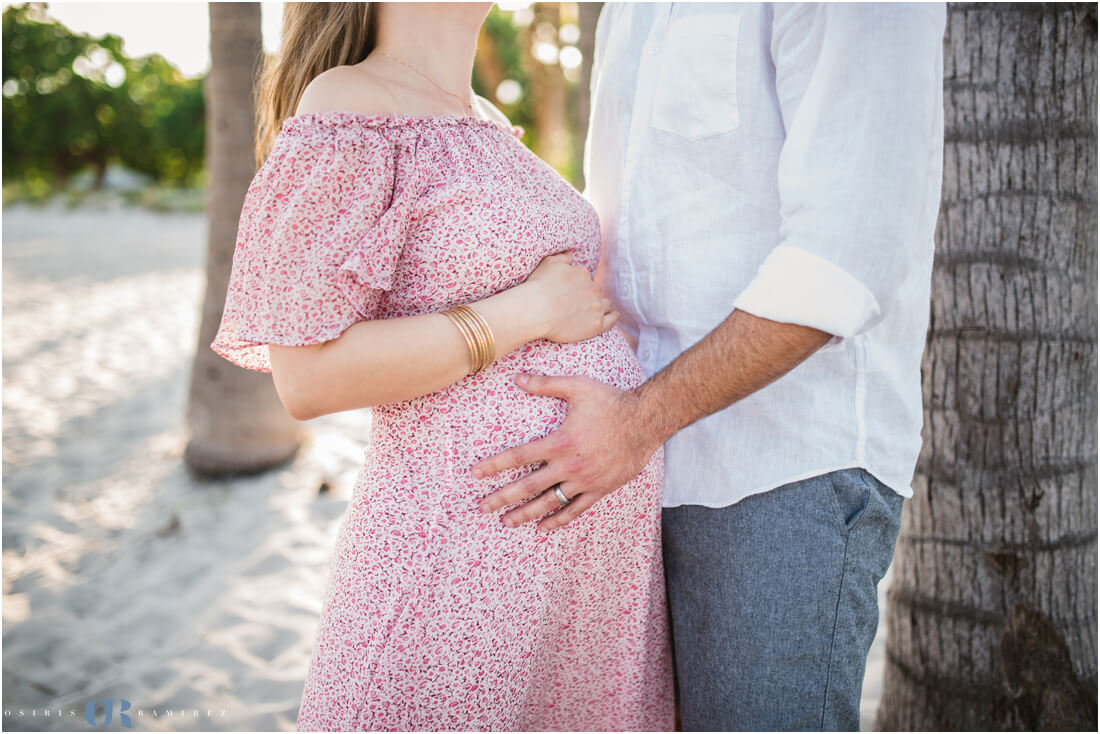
(401,249)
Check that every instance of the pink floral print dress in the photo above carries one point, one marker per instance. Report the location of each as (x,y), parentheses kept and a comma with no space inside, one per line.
(436,616)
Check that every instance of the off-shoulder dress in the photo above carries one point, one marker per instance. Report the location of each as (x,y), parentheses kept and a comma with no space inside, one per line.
(436,616)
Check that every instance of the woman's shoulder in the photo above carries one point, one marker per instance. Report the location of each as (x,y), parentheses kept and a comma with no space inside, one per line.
(325,143)
(341,117)
(352,89)
(349,102)
(357,91)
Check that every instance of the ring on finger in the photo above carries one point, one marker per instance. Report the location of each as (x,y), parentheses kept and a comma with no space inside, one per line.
(561,495)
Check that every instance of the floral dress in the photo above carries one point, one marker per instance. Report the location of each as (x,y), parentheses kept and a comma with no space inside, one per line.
(437,616)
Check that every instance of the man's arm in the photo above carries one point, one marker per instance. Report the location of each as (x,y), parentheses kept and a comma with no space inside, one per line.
(609,435)
(741,355)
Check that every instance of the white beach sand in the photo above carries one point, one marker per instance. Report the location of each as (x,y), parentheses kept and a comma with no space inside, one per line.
(124,577)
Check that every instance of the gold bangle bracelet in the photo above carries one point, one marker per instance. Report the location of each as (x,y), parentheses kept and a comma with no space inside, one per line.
(474,338)
(483,333)
(481,326)
(467,335)
(479,337)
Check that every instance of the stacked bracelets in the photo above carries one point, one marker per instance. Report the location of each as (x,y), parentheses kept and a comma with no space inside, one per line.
(479,337)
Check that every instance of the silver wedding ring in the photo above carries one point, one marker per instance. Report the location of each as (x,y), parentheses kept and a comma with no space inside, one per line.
(560,495)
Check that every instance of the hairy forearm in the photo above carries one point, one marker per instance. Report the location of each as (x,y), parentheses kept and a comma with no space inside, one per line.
(388,360)
(738,357)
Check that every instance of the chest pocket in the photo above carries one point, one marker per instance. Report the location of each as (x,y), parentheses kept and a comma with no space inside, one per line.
(696,90)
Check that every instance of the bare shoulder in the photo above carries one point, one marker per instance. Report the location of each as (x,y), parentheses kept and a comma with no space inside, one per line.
(490,111)
(347,89)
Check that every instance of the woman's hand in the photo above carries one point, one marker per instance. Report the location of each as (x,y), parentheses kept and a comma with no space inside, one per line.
(567,300)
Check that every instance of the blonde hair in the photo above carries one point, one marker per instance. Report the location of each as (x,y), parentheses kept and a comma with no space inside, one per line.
(316,37)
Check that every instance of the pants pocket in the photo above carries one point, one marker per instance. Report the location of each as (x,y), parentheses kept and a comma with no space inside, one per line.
(851,494)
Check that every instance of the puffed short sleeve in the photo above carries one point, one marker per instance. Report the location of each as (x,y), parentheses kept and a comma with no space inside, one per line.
(321,230)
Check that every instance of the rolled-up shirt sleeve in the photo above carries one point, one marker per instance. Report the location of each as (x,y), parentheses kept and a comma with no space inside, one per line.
(861,99)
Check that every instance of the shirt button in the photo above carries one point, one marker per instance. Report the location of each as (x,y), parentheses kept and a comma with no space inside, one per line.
(626,288)
(655,49)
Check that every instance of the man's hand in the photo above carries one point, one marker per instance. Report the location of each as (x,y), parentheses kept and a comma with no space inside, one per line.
(602,444)
(609,435)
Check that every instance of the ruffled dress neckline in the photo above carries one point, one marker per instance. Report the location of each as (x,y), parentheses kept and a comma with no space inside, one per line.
(342,118)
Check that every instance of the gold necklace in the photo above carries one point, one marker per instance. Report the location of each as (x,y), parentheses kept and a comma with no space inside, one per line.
(465,104)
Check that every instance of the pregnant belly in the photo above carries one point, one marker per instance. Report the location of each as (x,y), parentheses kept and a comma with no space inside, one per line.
(487,412)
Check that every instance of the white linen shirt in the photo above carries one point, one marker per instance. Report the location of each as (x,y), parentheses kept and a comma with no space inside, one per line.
(784,160)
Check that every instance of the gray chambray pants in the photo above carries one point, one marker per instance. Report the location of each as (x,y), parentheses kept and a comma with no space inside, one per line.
(774,603)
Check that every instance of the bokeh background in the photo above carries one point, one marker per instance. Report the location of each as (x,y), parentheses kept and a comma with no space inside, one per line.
(167,528)
(122,116)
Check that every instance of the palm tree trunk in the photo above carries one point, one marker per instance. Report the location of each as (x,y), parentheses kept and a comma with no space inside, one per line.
(991,615)
(238,425)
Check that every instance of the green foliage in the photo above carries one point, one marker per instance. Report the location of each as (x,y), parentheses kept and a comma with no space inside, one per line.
(171,111)
(513,47)
(509,51)
(71,101)
(74,102)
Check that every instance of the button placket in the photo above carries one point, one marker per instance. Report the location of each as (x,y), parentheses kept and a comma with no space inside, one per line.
(660,27)
(639,117)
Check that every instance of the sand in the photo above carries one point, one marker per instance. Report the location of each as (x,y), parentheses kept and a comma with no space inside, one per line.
(123,576)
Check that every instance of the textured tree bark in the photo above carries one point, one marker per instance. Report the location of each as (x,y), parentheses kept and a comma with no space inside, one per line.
(991,615)
(238,425)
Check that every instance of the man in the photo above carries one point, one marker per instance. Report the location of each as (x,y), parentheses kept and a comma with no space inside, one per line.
(768,179)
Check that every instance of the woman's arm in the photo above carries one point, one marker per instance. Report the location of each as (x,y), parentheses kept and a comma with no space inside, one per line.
(388,360)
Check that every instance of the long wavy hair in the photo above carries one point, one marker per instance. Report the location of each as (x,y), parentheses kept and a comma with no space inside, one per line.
(316,37)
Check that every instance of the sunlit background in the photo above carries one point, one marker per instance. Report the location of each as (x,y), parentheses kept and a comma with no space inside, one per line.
(121,84)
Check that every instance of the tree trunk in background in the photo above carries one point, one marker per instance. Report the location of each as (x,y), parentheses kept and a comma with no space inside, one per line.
(991,615)
(548,90)
(237,423)
(588,14)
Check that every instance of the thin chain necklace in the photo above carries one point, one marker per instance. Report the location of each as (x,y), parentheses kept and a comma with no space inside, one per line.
(464,103)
